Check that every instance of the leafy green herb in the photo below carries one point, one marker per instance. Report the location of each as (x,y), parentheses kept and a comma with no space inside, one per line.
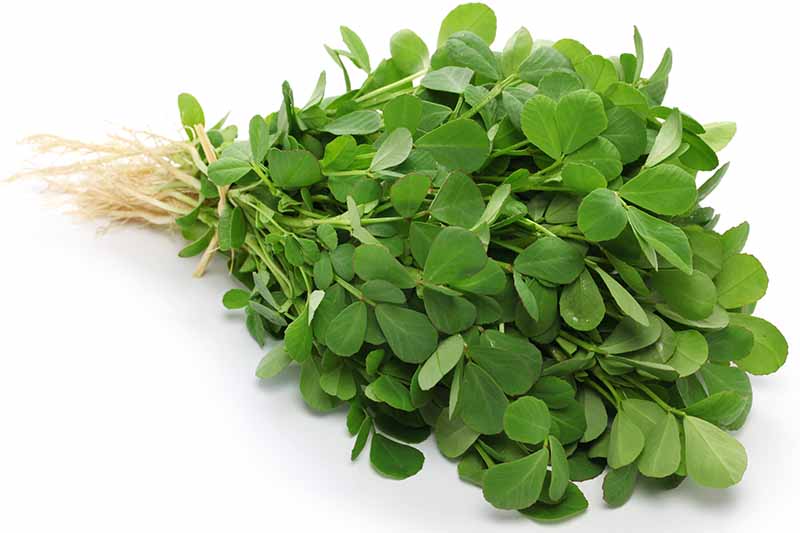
(506,248)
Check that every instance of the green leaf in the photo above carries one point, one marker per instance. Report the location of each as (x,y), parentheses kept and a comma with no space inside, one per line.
(227,171)
(662,450)
(551,259)
(729,344)
(236,299)
(581,304)
(721,408)
(459,144)
(627,441)
(691,352)
(516,484)
(364,431)
(389,390)
(515,371)
(581,468)
(734,239)
(698,154)
(543,60)
(572,49)
(600,154)
(742,281)
(394,460)
(721,378)
(517,49)
(346,332)
(232,228)
(292,169)
(382,291)
(338,381)
(191,111)
(358,52)
(595,413)
(339,153)
(569,422)
(443,360)
(408,193)
(597,73)
(601,215)
(572,503)
(626,302)
(618,485)
(540,126)
(405,111)
(272,364)
(580,118)
(554,391)
(630,336)
(668,139)
(718,318)
(311,391)
(718,134)
(198,246)
(665,189)
(298,338)
(490,280)
(559,83)
(410,334)
(393,151)
(259,138)
(474,17)
(409,51)
(356,123)
(692,295)
(374,262)
(448,79)
(515,345)
(582,178)
(526,296)
(453,437)
(527,420)
(668,240)
(769,345)
(449,314)
(455,254)
(482,402)
(706,250)
(711,183)
(713,458)
(559,479)
(466,49)
(458,202)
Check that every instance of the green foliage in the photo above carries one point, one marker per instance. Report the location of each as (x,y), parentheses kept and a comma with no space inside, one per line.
(505,247)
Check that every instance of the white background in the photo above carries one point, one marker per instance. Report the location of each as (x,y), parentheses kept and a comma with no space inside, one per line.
(128,400)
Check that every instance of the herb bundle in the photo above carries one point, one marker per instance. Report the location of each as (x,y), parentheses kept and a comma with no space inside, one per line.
(505,249)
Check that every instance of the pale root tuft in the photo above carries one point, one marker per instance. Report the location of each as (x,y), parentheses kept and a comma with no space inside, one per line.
(135,177)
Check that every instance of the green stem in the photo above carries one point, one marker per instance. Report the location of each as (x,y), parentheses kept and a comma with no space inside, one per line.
(277,272)
(348,173)
(507,246)
(479,447)
(601,391)
(655,397)
(538,227)
(493,93)
(386,88)
(511,148)
(386,97)
(609,386)
(352,290)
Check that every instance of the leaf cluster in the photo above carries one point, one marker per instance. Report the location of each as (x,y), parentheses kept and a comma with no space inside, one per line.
(505,248)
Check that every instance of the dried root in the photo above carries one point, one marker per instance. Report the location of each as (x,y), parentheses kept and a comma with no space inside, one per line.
(132,178)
